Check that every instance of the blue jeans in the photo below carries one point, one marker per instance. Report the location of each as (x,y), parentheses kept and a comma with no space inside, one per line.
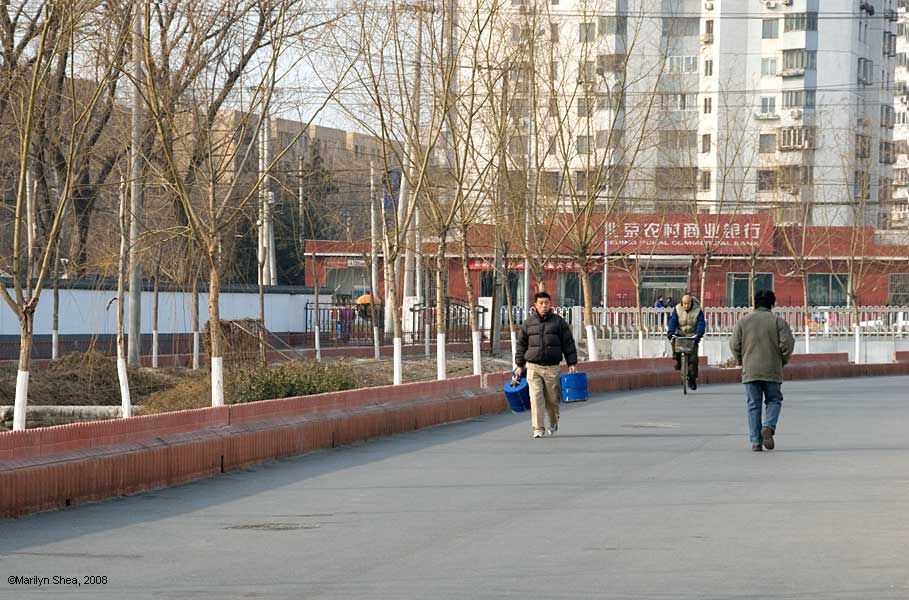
(770,393)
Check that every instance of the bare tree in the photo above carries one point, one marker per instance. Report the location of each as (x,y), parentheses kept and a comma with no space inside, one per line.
(58,27)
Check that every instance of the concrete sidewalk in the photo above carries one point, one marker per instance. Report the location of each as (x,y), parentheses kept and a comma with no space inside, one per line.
(642,495)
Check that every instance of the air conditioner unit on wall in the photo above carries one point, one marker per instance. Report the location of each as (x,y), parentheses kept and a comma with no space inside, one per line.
(769,3)
(796,113)
(708,5)
(787,2)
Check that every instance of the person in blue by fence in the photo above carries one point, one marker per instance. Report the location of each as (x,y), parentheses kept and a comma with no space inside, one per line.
(543,339)
(687,319)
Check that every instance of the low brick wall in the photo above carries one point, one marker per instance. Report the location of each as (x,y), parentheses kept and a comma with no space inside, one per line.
(53,467)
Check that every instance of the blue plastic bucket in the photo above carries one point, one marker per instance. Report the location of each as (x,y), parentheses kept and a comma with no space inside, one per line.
(574,387)
(518,395)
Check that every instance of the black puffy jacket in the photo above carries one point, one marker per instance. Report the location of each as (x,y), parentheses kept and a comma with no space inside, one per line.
(543,341)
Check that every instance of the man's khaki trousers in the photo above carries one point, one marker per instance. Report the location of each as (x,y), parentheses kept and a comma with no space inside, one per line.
(545,394)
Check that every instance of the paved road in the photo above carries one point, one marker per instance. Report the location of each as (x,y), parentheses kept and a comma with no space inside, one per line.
(643,495)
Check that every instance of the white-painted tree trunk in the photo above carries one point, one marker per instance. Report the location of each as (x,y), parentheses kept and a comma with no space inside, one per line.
(514,348)
(858,345)
(155,349)
(807,339)
(375,342)
(196,343)
(55,344)
(21,400)
(318,344)
(427,347)
(126,405)
(217,381)
(441,359)
(397,360)
(640,343)
(591,343)
(477,359)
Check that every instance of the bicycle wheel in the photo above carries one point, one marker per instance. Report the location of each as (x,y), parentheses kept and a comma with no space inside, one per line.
(684,372)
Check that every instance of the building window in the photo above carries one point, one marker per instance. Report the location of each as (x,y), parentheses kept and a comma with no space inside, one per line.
(584,144)
(554,33)
(766,180)
(570,292)
(771,29)
(806,21)
(706,143)
(681,26)
(888,116)
(738,287)
(708,67)
(862,146)
(898,289)
(767,143)
(768,105)
(587,32)
(587,70)
(675,102)
(796,138)
(609,138)
(799,59)
(798,99)
(669,179)
(580,181)
(861,186)
(865,72)
(768,66)
(826,289)
(888,153)
(613,25)
(585,107)
(704,180)
(708,106)
(683,64)
(678,140)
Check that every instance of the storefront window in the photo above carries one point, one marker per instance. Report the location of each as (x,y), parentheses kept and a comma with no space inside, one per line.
(827,289)
(570,292)
(737,287)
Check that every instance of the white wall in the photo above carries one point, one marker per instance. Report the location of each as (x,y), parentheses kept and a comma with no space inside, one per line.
(94,311)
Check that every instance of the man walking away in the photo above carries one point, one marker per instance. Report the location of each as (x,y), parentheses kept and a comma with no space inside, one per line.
(542,341)
(762,344)
(687,319)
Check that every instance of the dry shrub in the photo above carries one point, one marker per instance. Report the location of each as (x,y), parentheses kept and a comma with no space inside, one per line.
(193,392)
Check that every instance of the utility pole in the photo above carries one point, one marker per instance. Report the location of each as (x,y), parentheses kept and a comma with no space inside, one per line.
(374,261)
(415,111)
(266,254)
(134,338)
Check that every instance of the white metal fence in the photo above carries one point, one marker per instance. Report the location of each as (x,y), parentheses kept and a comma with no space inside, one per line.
(817,320)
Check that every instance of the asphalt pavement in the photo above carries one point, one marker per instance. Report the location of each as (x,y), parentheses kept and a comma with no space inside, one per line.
(641,495)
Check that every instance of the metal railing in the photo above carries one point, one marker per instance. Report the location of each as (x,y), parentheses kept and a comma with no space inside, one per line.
(820,320)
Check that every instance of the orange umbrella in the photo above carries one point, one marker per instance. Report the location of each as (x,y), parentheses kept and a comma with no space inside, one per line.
(367,299)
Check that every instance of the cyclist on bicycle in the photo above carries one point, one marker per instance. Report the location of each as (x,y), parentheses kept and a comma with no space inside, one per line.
(687,319)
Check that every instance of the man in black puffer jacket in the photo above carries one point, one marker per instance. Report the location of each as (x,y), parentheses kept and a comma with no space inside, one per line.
(543,339)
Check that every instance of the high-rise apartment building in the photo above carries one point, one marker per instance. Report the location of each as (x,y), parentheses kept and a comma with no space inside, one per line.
(900,212)
(712,106)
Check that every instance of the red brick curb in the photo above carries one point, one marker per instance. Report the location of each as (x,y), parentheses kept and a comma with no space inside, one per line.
(53,467)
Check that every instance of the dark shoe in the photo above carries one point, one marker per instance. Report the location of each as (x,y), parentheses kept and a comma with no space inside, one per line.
(756,448)
(692,384)
(767,437)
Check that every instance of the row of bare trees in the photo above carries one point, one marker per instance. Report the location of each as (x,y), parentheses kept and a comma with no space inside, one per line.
(544,126)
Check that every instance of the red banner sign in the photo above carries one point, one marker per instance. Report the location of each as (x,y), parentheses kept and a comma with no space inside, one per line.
(679,234)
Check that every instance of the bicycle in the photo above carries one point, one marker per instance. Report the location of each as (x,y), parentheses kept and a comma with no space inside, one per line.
(685,346)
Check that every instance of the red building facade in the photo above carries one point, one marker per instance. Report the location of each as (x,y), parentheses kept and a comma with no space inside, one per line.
(666,255)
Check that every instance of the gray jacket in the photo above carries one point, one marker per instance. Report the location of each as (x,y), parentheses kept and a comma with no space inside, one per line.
(762,343)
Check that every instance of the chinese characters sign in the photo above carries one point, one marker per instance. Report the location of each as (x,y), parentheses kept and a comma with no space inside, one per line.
(675,234)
